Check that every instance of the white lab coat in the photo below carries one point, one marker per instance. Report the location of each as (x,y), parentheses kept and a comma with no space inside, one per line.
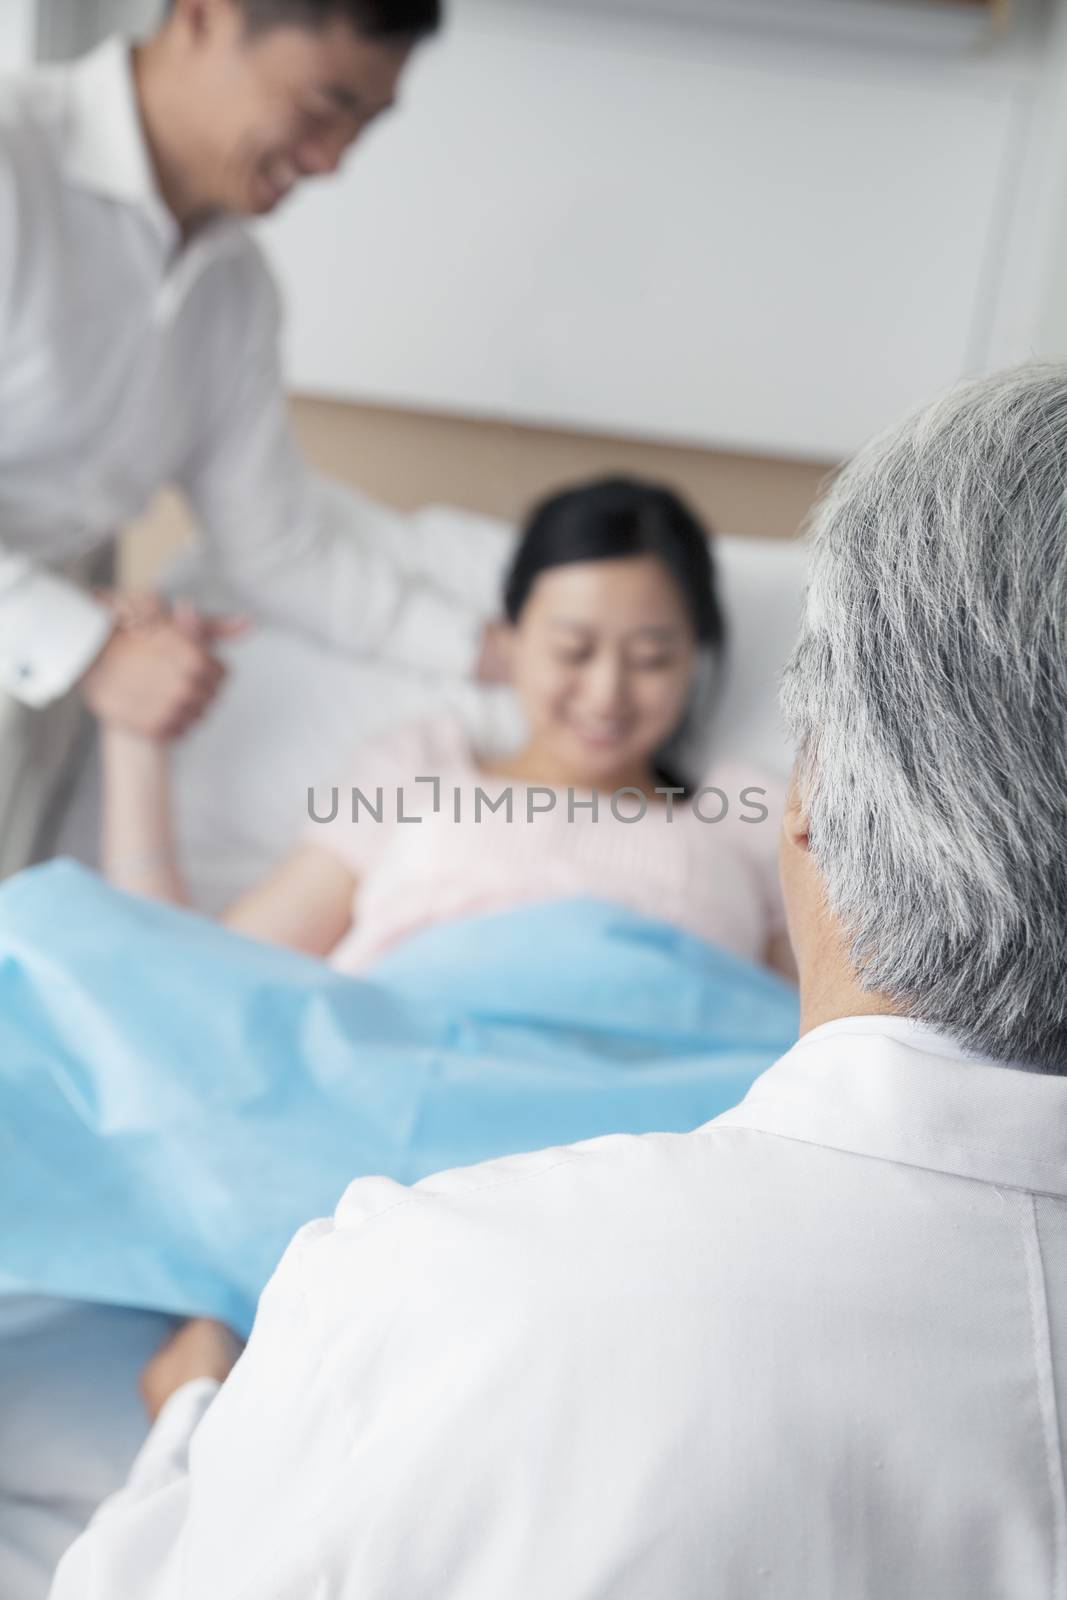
(128,362)
(811,1351)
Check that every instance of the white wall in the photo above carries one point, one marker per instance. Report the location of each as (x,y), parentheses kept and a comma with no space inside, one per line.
(664,230)
(739,236)
(18,24)
(68,27)
(1037,259)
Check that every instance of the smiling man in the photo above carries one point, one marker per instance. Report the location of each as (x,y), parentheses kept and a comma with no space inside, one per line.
(243,99)
(139,347)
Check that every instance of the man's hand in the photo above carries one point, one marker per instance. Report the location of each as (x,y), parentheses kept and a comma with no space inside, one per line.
(155,681)
(156,675)
(200,1348)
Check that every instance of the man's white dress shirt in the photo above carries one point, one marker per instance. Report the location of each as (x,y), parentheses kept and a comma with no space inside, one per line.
(128,362)
(814,1349)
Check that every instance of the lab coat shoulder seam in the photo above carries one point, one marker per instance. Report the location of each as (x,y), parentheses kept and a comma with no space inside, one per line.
(413,1196)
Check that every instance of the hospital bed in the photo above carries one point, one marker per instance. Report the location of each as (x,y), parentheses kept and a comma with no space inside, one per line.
(291,714)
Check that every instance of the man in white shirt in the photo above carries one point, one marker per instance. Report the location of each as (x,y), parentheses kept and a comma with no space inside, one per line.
(139,347)
(815,1350)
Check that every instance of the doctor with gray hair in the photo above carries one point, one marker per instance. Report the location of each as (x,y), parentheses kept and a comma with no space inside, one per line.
(927,696)
(814,1350)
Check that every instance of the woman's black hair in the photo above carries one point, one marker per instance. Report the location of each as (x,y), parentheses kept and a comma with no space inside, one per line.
(619,517)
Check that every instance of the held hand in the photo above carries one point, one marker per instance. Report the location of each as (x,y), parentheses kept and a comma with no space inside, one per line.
(143,609)
(200,1348)
(157,673)
(153,680)
(206,630)
(133,608)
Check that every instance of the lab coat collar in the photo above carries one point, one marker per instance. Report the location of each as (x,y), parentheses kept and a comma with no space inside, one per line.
(890,1088)
(106,150)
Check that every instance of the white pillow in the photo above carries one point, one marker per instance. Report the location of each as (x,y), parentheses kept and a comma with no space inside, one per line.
(293,710)
(762,586)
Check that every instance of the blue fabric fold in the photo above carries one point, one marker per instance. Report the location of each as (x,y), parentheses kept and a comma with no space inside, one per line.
(176,1100)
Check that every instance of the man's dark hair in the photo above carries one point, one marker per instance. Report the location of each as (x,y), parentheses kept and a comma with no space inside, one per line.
(375,19)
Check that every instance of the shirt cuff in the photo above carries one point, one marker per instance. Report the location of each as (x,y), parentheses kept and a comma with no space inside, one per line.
(50,633)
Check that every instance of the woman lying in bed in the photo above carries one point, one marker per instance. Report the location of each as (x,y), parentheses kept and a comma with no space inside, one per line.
(611,615)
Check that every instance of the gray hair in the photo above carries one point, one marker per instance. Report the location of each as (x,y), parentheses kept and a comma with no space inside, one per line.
(928,699)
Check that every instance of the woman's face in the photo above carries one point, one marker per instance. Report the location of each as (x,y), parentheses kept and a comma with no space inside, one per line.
(603,655)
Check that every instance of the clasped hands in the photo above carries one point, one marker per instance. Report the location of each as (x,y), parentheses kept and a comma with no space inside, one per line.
(158,671)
